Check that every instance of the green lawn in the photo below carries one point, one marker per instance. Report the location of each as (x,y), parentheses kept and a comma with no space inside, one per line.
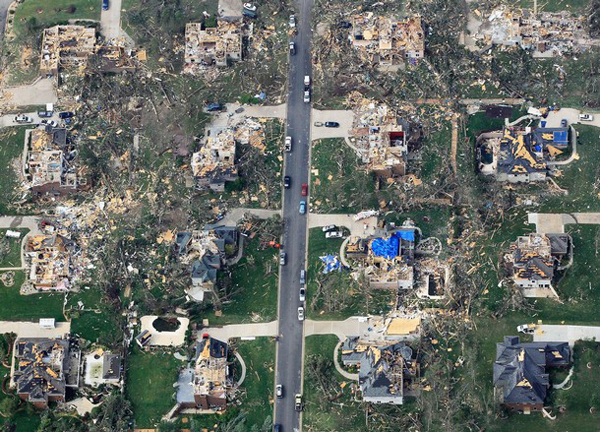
(339,295)
(150,378)
(253,283)
(573,6)
(11,147)
(30,307)
(13,257)
(100,324)
(342,185)
(42,14)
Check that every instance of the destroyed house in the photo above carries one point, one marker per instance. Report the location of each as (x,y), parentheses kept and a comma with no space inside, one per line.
(49,260)
(379,137)
(50,164)
(43,369)
(520,379)
(547,33)
(111,368)
(534,258)
(388,41)
(208,46)
(520,154)
(386,374)
(214,164)
(207,384)
(390,259)
(65,46)
(206,252)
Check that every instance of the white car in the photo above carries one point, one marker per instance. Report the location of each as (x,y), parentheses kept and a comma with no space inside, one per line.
(51,123)
(250,7)
(288,144)
(306,80)
(526,328)
(292,21)
(329,228)
(300,313)
(22,118)
(586,117)
(279,391)
(302,294)
(334,234)
(306,96)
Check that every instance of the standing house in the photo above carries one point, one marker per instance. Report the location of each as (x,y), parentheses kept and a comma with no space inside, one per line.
(43,369)
(520,379)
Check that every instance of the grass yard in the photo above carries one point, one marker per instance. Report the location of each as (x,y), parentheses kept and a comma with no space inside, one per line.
(254,282)
(339,295)
(41,14)
(11,148)
(13,256)
(150,378)
(338,180)
(573,6)
(19,307)
(97,323)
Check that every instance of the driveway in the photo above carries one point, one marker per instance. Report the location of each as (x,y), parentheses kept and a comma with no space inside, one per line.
(361,228)
(343,117)
(572,117)
(237,214)
(26,329)
(568,333)
(40,92)
(230,117)
(227,332)
(9,119)
(554,223)
(110,20)
(15,222)
(164,338)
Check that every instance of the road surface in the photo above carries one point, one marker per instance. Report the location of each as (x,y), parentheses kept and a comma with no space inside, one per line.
(290,348)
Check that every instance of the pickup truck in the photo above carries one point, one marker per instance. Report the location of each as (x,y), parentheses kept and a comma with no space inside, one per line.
(288,144)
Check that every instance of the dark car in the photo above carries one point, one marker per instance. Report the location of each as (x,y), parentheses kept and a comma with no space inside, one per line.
(45,113)
(332,124)
(563,123)
(292,48)
(277,428)
(214,107)
(104,4)
(344,24)
(249,13)
(287,182)
(66,114)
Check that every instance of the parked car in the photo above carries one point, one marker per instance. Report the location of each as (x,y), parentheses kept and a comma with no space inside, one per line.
(306,96)
(279,390)
(334,234)
(344,24)
(277,428)
(287,182)
(292,48)
(306,80)
(332,124)
(318,124)
(250,7)
(66,114)
(239,110)
(329,228)
(45,113)
(105,5)
(304,190)
(586,117)
(52,123)
(214,107)
(298,402)
(302,294)
(302,208)
(282,258)
(300,313)
(563,123)
(526,328)
(292,21)
(302,277)
(249,13)
(21,118)
(288,144)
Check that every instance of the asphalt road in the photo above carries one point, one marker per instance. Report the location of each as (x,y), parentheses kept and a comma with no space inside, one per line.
(4,4)
(291,340)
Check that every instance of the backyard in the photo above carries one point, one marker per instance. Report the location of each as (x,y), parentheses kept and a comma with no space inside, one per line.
(12,148)
(29,307)
(10,248)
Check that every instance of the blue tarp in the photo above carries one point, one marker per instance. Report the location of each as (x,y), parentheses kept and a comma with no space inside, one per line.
(387,248)
(561,137)
(331,263)
(406,235)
